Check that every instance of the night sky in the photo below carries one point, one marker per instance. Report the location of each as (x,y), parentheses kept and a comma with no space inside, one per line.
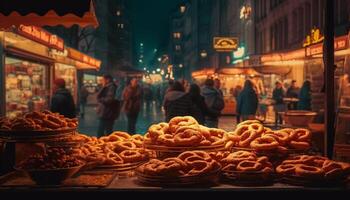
(150,21)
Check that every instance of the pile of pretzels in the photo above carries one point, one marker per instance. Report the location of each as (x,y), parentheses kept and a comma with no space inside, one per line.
(313,168)
(184,132)
(187,164)
(252,134)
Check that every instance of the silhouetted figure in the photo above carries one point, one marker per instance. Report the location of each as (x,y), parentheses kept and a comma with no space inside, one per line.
(62,100)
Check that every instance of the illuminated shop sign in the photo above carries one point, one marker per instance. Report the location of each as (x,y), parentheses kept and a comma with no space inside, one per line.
(225,44)
(76,55)
(315,37)
(340,43)
(246,12)
(41,36)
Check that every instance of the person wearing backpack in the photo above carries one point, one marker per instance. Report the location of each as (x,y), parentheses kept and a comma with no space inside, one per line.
(215,102)
(108,107)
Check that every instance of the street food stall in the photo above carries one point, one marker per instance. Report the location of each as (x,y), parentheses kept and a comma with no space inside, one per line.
(27,67)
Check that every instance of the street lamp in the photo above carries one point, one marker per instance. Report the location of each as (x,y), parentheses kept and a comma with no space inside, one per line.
(181,65)
(159,59)
(182,8)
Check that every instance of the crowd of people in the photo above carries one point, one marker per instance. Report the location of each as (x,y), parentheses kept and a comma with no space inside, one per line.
(179,98)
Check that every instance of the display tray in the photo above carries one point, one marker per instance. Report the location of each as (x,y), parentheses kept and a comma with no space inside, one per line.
(119,168)
(35,136)
(273,152)
(318,182)
(248,178)
(81,180)
(160,148)
(207,180)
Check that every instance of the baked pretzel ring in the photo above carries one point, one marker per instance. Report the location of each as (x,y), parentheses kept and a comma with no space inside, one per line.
(299,145)
(122,146)
(138,140)
(167,140)
(239,156)
(199,167)
(113,159)
(257,127)
(205,143)
(301,159)
(204,155)
(204,131)
(183,156)
(280,136)
(124,135)
(302,135)
(157,130)
(217,132)
(264,143)
(188,138)
(171,167)
(247,137)
(287,169)
(131,156)
(241,129)
(309,171)
(230,168)
(329,165)
(249,166)
(177,122)
(233,137)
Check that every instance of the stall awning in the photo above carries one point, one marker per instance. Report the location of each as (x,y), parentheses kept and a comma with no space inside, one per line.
(238,71)
(279,70)
(204,72)
(47,13)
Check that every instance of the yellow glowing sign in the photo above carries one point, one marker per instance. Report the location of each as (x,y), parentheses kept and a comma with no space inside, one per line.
(225,44)
(314,38)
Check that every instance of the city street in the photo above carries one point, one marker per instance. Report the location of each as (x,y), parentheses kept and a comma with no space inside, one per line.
(146,118)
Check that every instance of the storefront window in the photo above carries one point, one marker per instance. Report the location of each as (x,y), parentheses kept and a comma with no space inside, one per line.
(25,86)
(68,73)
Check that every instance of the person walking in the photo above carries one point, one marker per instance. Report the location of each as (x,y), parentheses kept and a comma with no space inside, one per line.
(62,101)
(132,96)
(293,92)
(215,102)
(247,102)
(238,89)
(305,97)
(107,106)
(278,95)
(148,96)
(199,107)
(177,102)
(84,94)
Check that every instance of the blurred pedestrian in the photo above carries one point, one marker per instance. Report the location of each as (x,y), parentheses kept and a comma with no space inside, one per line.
(62,100)
(278,95)
(107,106)
(305,97)
(217,86)
(159,95)
(247,102)
(84,94)
(177,102)
(293,92)
(199,107)
(132,96)
(238,89)
(147,96)
(215,102)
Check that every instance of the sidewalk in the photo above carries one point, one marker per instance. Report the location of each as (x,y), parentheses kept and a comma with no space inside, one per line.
(146,118)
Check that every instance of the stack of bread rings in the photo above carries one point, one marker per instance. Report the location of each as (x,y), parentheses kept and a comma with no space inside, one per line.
(244,161)
(187,164)
(119,148)
(184,132)
(38,121)
(252,134)
(313,168)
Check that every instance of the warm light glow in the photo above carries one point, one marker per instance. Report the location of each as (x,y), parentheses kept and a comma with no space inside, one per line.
(239,53)
(181,65)
(158,70)
(182,9)
(204,54)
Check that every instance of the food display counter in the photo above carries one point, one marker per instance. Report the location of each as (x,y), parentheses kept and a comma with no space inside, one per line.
(180,154)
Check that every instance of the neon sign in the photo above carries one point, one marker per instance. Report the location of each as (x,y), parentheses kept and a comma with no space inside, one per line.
(315,37)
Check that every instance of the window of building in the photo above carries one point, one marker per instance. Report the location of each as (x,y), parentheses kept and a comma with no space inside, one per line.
(177,35)
(177,47)
(295,25)
(286,34)
(308,22)
(121,26)
(119,13)
(300,30)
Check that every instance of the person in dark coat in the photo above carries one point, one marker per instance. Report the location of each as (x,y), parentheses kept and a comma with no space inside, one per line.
(84,94)
(278,96)
(107,107)
(293,92)
(176,102)
(247,102)
(199,108)
(305,97)
(62,100)
(215,102)
(132,96)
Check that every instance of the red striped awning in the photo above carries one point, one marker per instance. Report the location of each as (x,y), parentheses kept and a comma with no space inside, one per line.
(47,13)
